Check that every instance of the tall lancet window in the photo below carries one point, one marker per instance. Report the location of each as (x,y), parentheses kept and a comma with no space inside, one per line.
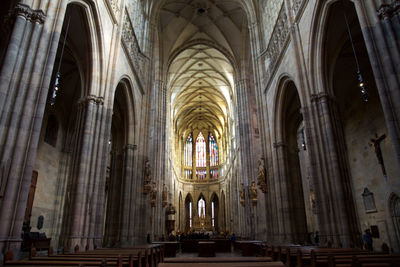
(202,208)
(213,151)
(200,151)
(188,151)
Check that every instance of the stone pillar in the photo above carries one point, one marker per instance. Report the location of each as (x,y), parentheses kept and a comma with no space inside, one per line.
(334,201)
(82,197)
(381,31)
(97,174)
(129,196)
(24,80)
(284,216)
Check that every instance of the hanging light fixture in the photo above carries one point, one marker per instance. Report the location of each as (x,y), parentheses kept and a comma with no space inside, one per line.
(56,86)
(361,84)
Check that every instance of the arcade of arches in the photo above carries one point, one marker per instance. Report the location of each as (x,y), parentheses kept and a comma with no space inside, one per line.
(270,119)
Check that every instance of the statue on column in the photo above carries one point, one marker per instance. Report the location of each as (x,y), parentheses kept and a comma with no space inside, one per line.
(261,179)
(147,177)
(153,195)
(242,195)
(253,193)
(164,196)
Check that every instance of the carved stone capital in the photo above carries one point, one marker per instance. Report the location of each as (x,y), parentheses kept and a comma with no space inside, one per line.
(35,16)
(320,97)
(130,146)
(92,99)
(279,144)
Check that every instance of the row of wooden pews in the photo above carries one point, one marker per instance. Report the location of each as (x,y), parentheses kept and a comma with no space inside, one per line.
(220,262)
(137,256)
(305,256)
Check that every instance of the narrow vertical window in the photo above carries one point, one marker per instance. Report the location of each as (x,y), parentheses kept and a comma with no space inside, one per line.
(212,214)
(200,151)
(188,151)
(202,208)
(213,151)
(190,214)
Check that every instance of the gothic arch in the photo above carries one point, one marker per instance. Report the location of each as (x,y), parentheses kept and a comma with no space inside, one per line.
(287,108)
(317,37)
(131,108)
(95,35)
(189,221)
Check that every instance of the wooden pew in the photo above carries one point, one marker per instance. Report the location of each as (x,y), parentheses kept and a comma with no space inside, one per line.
(131,257)
(225,264)
(217,260)
(328,257)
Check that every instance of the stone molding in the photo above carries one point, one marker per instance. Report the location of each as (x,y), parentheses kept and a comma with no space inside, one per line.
(131,44)
(276,46)
(130,146)
(24,11)
(280,144)
(320,97)
(114,6)
(98,100)
(387,11)
(297,7)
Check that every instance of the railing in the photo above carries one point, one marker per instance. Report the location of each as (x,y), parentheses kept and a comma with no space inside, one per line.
(201,174)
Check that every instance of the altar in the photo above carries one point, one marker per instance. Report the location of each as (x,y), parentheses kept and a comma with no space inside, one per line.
(202,223)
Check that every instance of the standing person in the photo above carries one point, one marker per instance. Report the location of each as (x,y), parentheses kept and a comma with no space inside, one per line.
(367,237)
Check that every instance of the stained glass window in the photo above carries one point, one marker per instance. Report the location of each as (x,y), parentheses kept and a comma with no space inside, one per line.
(188,174)
(214,173)
(188,151)
(213,150)
(201,174)
(200,151)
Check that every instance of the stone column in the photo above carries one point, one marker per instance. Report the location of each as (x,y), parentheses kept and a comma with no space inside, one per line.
(83,204)
(24,79)
(129,196)
(381,31)
(284,216)
(334,201)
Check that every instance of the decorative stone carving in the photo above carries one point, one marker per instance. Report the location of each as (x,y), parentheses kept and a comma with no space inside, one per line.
(98,100)
(261,178)
(35,16)
(147,177)
(164,196)
(170,218)
(131,44)
(277,44)
(114,6)
(387,11)
(153,195)
(242,195)
(297,5)
(253,193)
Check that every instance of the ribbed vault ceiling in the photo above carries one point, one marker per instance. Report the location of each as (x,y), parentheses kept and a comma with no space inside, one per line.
(200,77)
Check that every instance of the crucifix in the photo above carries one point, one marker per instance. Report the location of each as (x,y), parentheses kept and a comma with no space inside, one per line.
(376,143)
